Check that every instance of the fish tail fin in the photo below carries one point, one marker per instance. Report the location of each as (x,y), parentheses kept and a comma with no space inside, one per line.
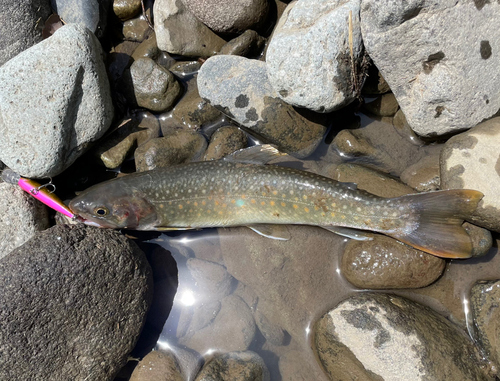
(440,216)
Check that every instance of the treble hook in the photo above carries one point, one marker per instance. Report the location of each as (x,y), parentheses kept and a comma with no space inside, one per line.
(52,186)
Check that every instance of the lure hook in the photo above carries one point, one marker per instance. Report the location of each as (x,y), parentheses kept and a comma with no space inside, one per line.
(50,185)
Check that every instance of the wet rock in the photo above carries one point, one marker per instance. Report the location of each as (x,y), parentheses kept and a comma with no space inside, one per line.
(294,366)
(178,31)
(21,25)
(54,101)
(425,71)
(157,366)
(130,134)
(120,59)
(224,141)
(247,44)
(247,294)
(186,68)
(484,299)
(21,216)
(318,29)
(233,329)
(379,336)
(471,161)
(384,263)
(126,9)
(147,49)
(234,366)
(384,105)
(424,175)
(203,315)
(92,14)
(375,84)
(403,129)
(370,180)
(85,299)
(229,16)
(176,148)
(239,87)
(482,240)
(191,112)
(155,88)
(212,280)
(272,332)
(136,29)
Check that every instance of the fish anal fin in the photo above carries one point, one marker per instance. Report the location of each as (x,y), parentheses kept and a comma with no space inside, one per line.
(358,235)
(260,154)
(279,232)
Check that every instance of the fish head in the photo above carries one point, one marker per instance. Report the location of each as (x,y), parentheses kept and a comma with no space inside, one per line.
(113,206)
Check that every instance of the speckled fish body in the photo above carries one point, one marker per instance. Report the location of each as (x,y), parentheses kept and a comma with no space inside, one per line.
(222,193)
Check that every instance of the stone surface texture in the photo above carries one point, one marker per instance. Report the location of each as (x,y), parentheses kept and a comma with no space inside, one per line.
(247,44)
(54,101)
(157,366)
(309,58)
(74,300)
(21,216)
(444,80)
(239,87)
(385,337)
(224,141)
(126,9)
(471,160)
(21,24)
(229,16)
(178,31)
(234,366)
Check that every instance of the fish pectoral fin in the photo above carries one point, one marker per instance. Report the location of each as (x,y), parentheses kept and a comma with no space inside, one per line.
(260,154)
(279,232)
(358,235)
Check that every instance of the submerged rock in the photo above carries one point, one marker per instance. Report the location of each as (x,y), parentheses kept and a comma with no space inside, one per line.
(425,69)
(234,366)
(424,175)
(239,87)
(482,241)
(224,141)
(386,337)
(471,161)
(248,44)
(157,366)
(383,105)
(74,300)
(54,101)
(309,56)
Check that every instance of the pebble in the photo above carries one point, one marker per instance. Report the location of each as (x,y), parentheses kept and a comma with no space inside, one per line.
(484,300)
(309,56)
(126,9)
(155,88)
(91,14)
(21,217)
(213,282)
(80,293)
(136,29)
(273,333)
(176,148)
(147,49)
(21,26)
(178,31)
(224,141)
(375,84)
(426,70)
(234,366)
(157,366)
(482,241)
(424,175)
(54,101)
(471,161)
(229,16)
(383,105)
(384,263)
(395,339)
(247,44)
(239,87)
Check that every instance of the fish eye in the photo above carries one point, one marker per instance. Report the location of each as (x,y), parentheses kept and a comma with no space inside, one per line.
(101,211)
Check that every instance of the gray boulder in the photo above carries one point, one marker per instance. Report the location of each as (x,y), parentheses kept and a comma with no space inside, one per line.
(74,300)
(54,101)
(309,57)
(438,57)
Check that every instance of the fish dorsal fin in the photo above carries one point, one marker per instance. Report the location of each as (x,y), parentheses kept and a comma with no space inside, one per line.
(260,154)
(279,232)
(355,234)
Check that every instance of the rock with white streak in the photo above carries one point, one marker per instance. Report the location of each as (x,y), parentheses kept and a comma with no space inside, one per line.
(444,79)
(54,102)
(309,56)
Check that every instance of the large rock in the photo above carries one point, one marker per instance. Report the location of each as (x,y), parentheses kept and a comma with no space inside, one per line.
(21,24)
(229,16)
(386,337)
(239,87)
(21,216)
(54,101)
(309,56)
(74,300)
(178,31)
(471,160)
(422,51)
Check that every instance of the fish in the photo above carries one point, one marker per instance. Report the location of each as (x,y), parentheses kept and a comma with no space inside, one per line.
(244,190)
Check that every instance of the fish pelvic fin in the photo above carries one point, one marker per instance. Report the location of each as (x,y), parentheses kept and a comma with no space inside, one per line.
(440,216)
